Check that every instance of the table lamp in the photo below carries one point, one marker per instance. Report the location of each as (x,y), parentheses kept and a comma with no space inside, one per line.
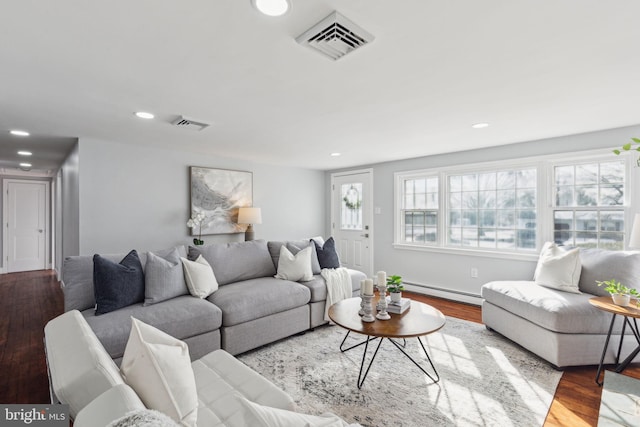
(249,216)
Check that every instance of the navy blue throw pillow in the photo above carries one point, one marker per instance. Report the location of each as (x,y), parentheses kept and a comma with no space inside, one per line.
(327,255)
(117,285)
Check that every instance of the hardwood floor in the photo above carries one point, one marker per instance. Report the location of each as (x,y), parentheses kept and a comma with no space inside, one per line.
(29,300)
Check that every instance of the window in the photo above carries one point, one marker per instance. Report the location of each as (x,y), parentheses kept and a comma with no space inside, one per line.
(589,205)
(351,208)
(420,206)
(494,210)
(513,207)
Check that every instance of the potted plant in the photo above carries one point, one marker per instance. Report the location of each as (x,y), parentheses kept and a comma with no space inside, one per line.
(620,294)
(395,287)
(197,220)
(630,146)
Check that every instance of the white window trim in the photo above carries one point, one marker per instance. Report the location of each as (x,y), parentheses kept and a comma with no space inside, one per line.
(544,210)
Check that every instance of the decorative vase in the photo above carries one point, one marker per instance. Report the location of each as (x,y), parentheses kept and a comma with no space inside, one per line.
(396,296)
(621,299)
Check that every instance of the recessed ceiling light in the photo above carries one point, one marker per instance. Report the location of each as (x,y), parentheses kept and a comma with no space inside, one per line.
(335,154)
(144,115)
(25,153)
(25,165)
(480,125)
(17,132)
(272,7)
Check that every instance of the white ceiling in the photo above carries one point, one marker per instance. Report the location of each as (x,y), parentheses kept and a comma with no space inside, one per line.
(532,69)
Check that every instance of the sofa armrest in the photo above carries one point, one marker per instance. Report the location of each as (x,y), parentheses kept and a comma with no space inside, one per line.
(109,406)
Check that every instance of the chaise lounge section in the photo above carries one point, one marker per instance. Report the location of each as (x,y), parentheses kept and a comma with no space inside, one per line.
(562,327)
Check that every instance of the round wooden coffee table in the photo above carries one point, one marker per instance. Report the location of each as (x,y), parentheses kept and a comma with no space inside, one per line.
(420,319)
(630,315)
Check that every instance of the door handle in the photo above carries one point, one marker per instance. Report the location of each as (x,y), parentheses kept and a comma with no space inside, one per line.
(40,231)
(364,235)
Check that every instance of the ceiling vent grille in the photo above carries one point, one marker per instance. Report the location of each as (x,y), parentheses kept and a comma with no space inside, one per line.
(186,123)
(335,36)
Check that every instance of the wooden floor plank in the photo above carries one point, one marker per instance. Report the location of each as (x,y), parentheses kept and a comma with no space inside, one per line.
(29,300)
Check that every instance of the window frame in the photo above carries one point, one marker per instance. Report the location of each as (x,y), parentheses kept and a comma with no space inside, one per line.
(400,200)
(545,200)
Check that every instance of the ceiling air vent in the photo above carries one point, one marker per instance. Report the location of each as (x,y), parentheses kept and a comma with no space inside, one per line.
(186,123)
(335,36)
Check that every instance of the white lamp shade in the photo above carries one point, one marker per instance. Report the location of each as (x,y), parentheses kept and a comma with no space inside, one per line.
(634,239)
(249,216)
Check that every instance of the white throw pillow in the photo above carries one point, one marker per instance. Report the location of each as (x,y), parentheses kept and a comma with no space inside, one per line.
(295,267)
(199,276)
(158,367)
(265,416)
(559,269)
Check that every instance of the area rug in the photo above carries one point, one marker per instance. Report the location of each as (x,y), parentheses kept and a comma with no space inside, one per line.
(620,403)
(486,380)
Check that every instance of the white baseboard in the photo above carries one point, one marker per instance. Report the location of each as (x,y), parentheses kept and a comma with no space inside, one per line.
(444,293)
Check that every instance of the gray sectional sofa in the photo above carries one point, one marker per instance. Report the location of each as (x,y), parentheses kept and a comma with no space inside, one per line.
(561,327)
(251,308)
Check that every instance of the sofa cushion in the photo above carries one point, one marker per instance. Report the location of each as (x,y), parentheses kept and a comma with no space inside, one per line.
(157,366)
(294,267)
(182,317)
(109,406)
(163,277)
(601,265)
(234,262)
(199,276)
(327,254)
(117,285)
(259,415)
(255,298)
(75,356)
(558,268)
(554,310)
(220,377)
(294,247)
(77,277)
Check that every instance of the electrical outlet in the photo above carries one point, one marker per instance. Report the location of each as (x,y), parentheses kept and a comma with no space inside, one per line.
(474,272)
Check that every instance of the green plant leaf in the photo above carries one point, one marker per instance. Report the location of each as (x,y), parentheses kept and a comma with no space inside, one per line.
(636,140)
(627,146)
(616,152)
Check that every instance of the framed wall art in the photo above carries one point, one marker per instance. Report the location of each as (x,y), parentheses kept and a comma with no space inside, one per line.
(217,194)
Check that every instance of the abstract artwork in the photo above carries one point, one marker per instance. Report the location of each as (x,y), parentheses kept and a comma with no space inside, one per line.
(217,194)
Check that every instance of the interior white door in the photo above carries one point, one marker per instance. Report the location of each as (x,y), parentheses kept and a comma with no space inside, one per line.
(351,219)
(26,222)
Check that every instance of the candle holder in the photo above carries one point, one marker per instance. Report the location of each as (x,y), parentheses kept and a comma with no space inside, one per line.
(368,309)
(382,303)
(361,312)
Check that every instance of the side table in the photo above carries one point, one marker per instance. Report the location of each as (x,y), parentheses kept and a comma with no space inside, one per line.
(630,315)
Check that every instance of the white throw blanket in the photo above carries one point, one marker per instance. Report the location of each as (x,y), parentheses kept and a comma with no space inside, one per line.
(338,286)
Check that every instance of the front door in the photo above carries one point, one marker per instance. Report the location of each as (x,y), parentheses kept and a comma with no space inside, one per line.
(26,216)
(351,219)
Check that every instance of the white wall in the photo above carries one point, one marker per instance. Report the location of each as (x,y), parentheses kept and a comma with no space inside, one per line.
(68,210)
(452,271)
(138,197)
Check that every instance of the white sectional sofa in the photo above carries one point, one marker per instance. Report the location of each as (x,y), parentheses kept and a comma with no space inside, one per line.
(84,376)
(561,327)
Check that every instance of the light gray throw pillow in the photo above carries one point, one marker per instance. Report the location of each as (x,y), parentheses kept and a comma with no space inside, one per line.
(294,247)
(600,265)
(164,278)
